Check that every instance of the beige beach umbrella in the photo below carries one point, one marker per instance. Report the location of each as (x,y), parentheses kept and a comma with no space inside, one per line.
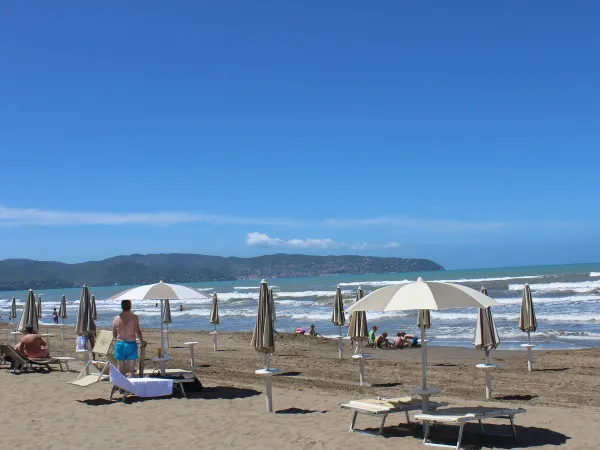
(159,291)
(62,313)
(93,306)
(12,314)
(263,339)
(422,295)
(39,307)
(359,331)
(272,303)
(85,323)
(29,315)
(214,318)
(338,318)
(527,323)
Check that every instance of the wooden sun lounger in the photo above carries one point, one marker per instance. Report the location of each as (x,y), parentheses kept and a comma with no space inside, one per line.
(382,407)
(461,416)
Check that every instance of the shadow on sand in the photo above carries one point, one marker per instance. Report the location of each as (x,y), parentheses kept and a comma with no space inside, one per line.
(517,397)
(289,374)
(473,439)
(384,385)
(298,411)
(558,369)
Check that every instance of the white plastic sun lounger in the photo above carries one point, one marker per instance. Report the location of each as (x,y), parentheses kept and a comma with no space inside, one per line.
(142,387)
(461,416)
(382,407)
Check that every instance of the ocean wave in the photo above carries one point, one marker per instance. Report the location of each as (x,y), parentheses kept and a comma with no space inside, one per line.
(584,317)
(594,274)
(308,294)
(244,288)
(374,283)
(458,280)
(538,300)
(576,286)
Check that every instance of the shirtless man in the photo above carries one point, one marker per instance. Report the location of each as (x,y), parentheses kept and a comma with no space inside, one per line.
(125,328)
(32,345)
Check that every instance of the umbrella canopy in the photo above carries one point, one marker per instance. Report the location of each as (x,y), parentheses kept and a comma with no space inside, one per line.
(166,312)
(39,307)
(337,317)
(214,311)
(272,302)
(62,311)
(486,333)
(94,310)
(423,295)
(85,322)
(527,322)
(29,315)
(358,328)
(263,339)
(12,314)
(159,291)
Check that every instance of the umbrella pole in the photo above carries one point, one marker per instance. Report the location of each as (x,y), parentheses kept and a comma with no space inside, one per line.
(340,343)
(62,331)
(215,338)
(162,335)
(423,358)
(529,353)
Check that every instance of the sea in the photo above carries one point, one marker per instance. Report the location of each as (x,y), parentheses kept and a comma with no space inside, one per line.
(566,300)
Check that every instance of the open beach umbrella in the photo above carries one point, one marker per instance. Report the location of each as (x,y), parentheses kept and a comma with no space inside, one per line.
(263,338)
(421,295)
(85,323)
(94,310)
(62,313)
(29,315)
(214,318)
(527,322)
(159,291)
(338,318)
(39,307)
(12,314)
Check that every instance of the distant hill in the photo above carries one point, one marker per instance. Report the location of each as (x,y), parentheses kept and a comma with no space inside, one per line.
(19,274)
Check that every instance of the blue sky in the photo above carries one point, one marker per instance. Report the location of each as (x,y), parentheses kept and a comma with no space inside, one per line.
(465,132)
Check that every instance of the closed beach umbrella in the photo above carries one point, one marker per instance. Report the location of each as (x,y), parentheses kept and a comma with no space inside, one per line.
(338,318)
(214,311)
(486,338)
(39,307)
(29,315)
(94,310)
(13,309)
(272,302)
(422,295)
(165,317)
(62,313)
(214,318)
(159,291)
(358,331)
(527,322)
(263,338)
(85,323)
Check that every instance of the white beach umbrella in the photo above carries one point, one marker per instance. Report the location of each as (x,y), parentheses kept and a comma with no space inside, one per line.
(421,295)
(159,291)
(62,313)
(29,315)
(12,314)
(214,318)
(528,323)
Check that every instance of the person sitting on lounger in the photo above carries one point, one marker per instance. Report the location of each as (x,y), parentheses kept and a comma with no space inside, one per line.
(125,328)
(381,341)
(372,337)
(32,345)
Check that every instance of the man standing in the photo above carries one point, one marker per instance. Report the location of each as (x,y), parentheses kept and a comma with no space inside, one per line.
(126,327)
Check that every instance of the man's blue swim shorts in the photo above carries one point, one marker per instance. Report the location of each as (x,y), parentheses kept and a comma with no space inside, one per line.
(126,350)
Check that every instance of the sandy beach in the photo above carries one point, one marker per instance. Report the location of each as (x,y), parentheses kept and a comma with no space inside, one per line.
(561,395)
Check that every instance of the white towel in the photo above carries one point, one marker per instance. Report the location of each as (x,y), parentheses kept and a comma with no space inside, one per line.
(142,387)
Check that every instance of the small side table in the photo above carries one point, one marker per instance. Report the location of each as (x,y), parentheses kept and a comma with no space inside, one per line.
(268,373)
(192,355)
(529,348)
(361,366)
(64,360)
(163,362)
(425,394)
(214,335)
(488,378)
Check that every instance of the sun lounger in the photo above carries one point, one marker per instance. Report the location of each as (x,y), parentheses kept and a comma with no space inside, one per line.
(461,416)
(382,407)
(20,363)
(142,387)
(100,362)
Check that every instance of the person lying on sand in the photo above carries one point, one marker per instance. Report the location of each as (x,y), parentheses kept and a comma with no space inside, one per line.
(32,345)
(381,341)
(300,330)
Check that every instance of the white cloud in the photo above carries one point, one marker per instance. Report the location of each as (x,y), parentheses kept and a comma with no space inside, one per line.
(262,240)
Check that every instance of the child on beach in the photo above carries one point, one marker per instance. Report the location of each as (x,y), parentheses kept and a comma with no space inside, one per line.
(55,317)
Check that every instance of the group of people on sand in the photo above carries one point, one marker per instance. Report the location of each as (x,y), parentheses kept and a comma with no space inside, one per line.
(401,341)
